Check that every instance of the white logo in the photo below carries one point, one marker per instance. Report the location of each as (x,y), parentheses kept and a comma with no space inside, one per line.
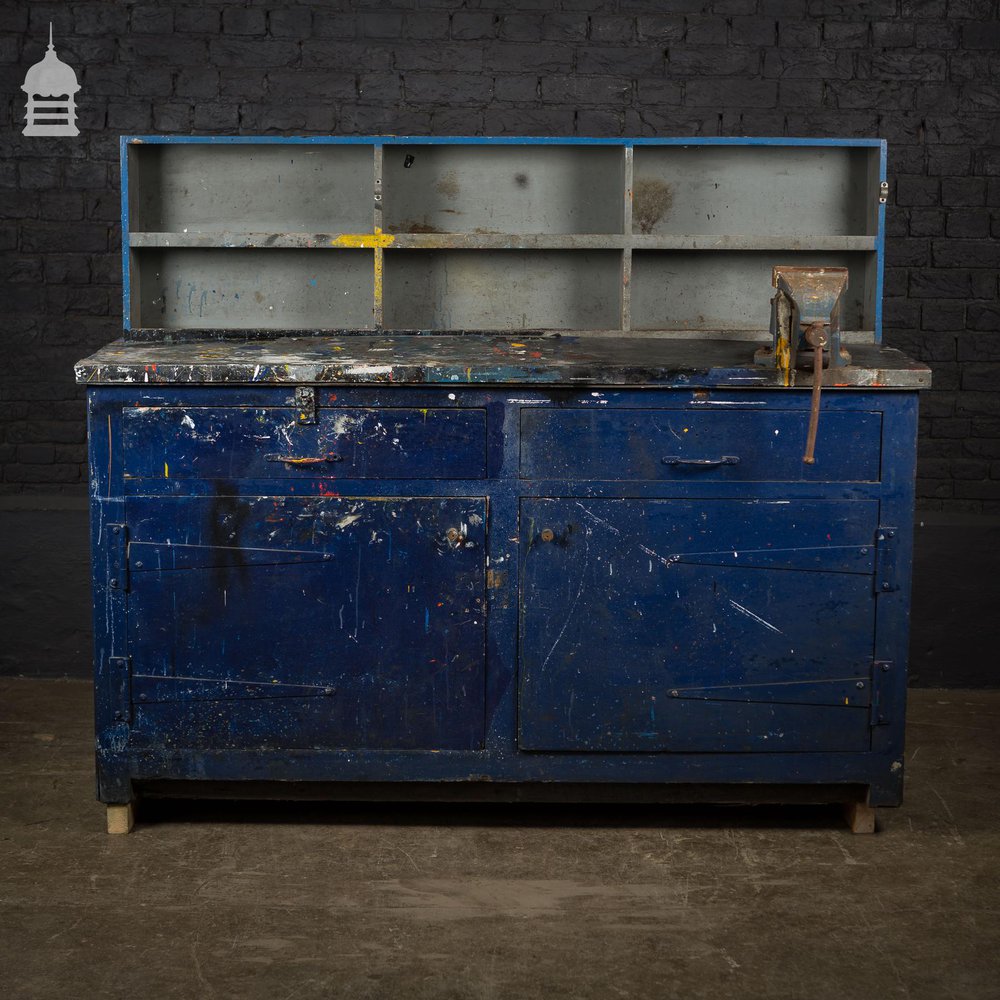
(50,86)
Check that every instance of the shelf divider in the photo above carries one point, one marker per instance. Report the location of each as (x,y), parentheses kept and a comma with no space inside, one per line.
(626,275)
(377,285)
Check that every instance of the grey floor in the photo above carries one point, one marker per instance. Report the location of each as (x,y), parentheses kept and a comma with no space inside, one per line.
(490,901)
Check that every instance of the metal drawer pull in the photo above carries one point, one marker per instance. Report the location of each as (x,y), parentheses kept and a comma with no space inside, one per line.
(296,460)
(702,463)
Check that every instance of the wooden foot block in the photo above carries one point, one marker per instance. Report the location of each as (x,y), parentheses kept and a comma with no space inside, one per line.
(860,817)
(121,818)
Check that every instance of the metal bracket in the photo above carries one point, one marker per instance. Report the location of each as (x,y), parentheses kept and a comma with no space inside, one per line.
(305,404)
(118,563)
(881,703)
(883,192)
(120,685)
(886,547)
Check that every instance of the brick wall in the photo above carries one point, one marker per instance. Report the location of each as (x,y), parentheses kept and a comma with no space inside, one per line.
(924,74)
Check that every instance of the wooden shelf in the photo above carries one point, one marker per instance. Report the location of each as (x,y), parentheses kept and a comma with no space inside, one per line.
(496,241)
(631,235)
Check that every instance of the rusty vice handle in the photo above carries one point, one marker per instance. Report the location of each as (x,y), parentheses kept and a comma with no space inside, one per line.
(702,463)
(815,336)
(296,460)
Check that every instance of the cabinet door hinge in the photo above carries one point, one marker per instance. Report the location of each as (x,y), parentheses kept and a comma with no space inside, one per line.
(118,561)
(120,670)
(886,546)
(883,685)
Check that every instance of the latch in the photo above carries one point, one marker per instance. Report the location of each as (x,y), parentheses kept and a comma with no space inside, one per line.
(120,685)
(118,562)
(882,688)
(883,192)
(305,404)
(886,546)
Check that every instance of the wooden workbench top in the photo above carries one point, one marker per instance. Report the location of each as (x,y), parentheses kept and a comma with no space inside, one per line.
(479,359)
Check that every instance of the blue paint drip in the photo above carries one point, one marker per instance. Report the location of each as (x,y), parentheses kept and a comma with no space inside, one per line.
(427,620)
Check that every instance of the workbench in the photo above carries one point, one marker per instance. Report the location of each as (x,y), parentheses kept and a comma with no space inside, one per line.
(486,551)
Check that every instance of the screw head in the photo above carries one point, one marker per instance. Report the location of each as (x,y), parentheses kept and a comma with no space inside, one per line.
(118,715)
(674,694)
(547,535)
(113,581)
(142,697)
(860,685)
(885,586)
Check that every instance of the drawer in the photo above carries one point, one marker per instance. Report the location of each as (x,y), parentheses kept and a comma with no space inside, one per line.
(269,443)
(695,445)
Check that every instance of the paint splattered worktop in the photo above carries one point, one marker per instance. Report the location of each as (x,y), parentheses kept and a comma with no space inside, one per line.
(481,359)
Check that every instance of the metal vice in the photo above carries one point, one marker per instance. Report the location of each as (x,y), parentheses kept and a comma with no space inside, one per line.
(805,330)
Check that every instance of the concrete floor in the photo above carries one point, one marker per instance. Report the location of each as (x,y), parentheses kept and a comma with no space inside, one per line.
(380,901)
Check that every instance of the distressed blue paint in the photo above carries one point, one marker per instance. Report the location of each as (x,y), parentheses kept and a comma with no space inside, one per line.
(237,442)
(718,613)
(288,628)
(752,444)
(390,721)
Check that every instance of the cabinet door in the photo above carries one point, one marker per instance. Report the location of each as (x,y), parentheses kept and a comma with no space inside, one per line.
(289,622)
(710,625)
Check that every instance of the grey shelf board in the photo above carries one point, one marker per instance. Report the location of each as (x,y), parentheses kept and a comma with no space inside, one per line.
(496,241)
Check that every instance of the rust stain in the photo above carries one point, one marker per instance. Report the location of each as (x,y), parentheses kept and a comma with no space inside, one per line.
(496,578)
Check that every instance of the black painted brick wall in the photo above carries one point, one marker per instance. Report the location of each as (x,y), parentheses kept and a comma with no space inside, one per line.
(924,74)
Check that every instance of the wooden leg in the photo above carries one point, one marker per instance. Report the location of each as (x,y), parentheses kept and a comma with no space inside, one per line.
(860,817)
(121,818)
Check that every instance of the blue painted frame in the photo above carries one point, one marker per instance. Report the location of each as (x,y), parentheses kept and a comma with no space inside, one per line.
(394,140)
(880,768)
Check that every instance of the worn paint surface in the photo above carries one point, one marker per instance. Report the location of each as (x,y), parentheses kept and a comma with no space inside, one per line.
(702,626)
(636,360)
(235,442)
(316,622)
(231,626)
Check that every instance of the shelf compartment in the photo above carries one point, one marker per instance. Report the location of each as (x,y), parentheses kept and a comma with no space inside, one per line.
(503,189)
(805,191)
(732,291)
(264,289)
(207,187)
(501,290)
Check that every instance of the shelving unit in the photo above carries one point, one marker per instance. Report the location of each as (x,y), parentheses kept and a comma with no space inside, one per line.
(653,236)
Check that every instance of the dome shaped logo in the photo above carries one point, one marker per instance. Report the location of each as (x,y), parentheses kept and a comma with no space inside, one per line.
(51,87)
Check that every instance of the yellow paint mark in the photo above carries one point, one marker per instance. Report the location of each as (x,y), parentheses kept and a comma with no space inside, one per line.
(512,344)
(379,269)
(166,471)
(361,241)
(468,374)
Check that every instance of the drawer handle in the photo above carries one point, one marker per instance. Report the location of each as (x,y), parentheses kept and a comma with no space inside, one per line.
(296,460)
(702,463)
